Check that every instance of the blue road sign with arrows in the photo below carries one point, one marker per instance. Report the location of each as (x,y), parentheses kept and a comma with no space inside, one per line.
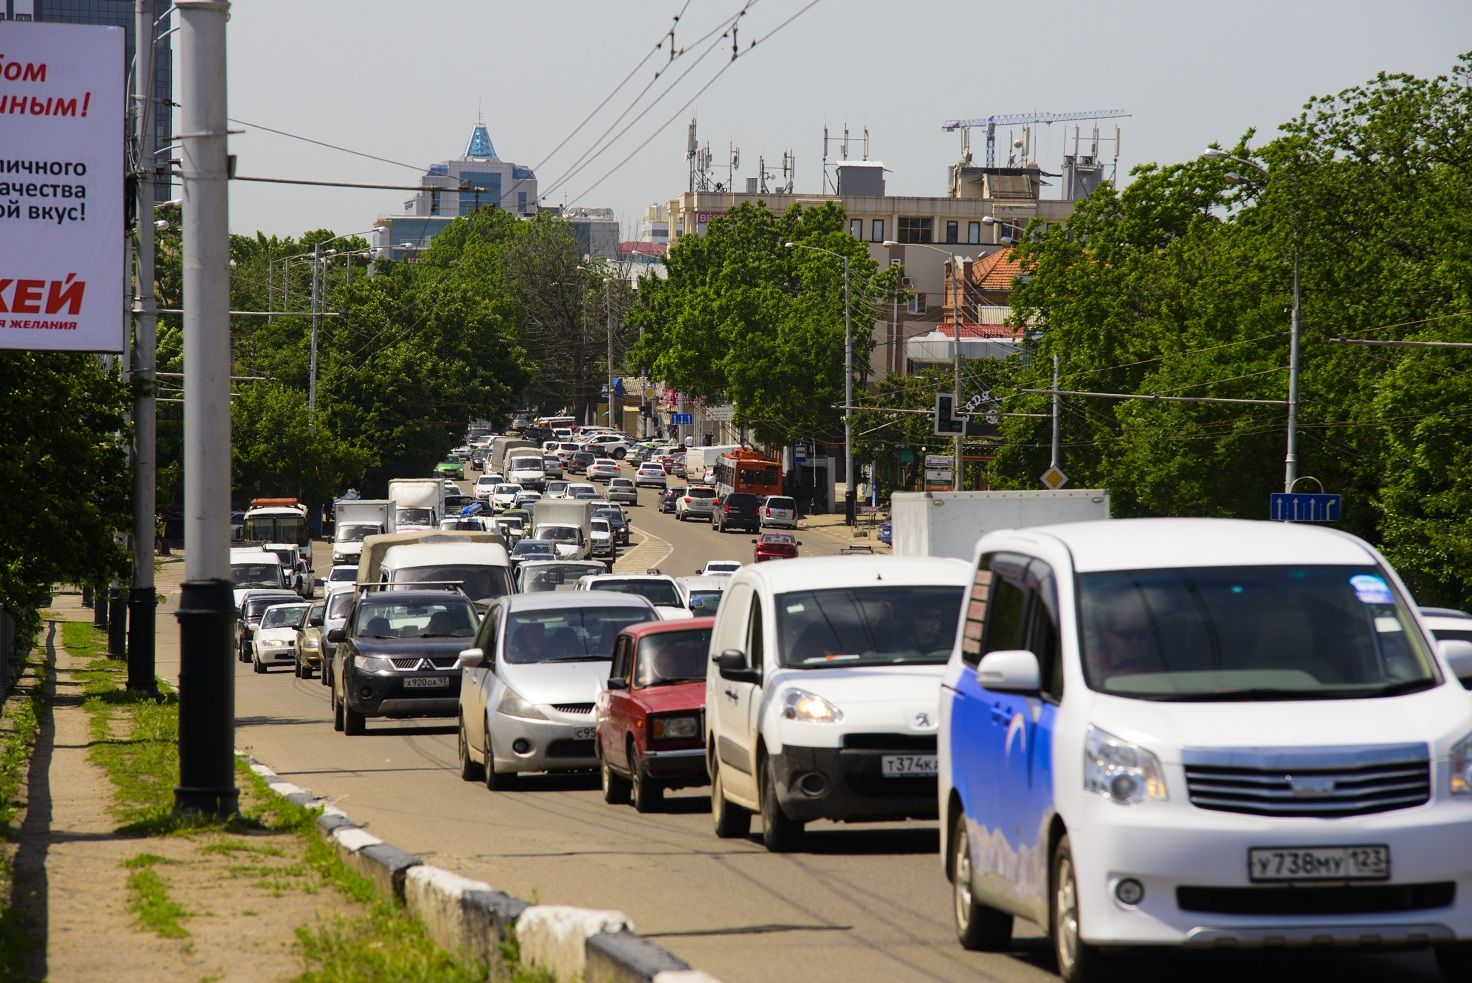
(1303,507)
(682,419)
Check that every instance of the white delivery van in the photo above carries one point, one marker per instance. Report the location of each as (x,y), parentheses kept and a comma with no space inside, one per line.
(252,568)
(481,570)
(1203,733)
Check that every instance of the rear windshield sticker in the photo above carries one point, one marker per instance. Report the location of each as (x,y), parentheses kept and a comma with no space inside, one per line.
(1386,624)
(1370,589)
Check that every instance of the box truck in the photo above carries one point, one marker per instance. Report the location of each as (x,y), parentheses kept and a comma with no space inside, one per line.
(950,523)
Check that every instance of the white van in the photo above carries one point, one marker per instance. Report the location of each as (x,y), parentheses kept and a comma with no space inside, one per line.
(1203,733)
(820,699)
(252,568)
(481,570)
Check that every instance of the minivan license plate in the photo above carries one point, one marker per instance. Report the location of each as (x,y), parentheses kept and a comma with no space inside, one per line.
(906,765)
(1319,863)
(584,733)
(426,682)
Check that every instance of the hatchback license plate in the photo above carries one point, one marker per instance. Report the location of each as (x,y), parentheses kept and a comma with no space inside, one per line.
(426,682)
(906,765)
(1319,863)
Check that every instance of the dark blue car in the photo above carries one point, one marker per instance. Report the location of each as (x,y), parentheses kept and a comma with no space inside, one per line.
(885,529)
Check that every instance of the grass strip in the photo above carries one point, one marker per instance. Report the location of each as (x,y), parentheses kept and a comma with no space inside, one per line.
(148,898)
(23,716)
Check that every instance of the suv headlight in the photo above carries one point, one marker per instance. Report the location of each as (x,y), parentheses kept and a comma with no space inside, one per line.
(799,704)
(1461,777)
(373,663)
(672,728)
(1121,771)
(512,705)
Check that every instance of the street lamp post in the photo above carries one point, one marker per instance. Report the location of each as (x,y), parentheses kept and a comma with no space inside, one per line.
(1006,238)
(848,385)
(956,466)
(1290,456)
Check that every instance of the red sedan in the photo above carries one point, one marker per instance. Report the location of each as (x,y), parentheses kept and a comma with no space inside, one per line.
(649,717)
(775,546)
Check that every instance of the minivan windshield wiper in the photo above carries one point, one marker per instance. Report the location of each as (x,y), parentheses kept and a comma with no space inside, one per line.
(1285,695)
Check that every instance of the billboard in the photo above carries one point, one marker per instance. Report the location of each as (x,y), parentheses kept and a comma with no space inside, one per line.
(61,187)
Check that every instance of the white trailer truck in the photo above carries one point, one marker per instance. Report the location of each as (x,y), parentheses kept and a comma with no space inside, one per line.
(353,520)
(950,523)
(419,503)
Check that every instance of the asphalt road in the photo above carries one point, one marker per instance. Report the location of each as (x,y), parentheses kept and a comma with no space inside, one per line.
(860,903)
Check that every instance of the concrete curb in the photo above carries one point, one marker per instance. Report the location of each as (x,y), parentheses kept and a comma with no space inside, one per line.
(472,917)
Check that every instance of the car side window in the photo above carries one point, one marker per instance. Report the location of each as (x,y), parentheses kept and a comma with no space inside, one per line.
(975,623)
(754,634)
(1043,636)
(1006,613)
(489,632)
(622,661)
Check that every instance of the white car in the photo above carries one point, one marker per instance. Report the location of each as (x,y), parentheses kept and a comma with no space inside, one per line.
(608,444)
(340,577)
(622,490)
(580,489)
(650,475)
(657,589)
(1448,623)
(274,642)
(484,485)
(602,469)
(529,683)
(503,496)
(602,538)
(1186,732)
(778,512)
(720,568)
(555,489)
(821,701)
(702,594)
(451,488)
(697,502)
(526,499)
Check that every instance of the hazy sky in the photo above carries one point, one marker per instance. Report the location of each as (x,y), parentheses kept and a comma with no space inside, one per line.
(404,81)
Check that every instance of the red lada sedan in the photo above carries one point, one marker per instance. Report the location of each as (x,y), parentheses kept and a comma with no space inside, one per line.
(775,546)
(649,717)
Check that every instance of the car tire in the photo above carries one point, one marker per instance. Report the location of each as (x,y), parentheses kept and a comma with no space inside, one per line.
(1454,961)
(470,771)
(244,654)
(337,721)
(307,672)
(615,787)
(1078,961)
(731,821)
(619,454)
(978,927)
(296,667)
(780,833)
(255,664)
(495,781)
(325,675)
(679,516)
(353,722)
(647,793)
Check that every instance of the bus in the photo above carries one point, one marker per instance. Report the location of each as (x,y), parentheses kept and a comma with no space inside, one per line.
(279,520)
(747,471)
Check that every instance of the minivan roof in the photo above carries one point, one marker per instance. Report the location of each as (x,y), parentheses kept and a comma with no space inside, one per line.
(425,554)
(809,573)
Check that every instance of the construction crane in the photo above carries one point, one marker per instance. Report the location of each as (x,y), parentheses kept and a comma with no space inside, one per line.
(990,122)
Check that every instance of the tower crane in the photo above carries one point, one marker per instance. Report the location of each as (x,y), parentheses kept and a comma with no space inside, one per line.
(990,122)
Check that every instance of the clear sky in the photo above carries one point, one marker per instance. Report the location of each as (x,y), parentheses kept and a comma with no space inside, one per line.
(405,79)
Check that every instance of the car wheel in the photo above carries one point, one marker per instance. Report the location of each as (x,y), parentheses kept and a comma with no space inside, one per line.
(731,821)
(780,834)
(255,664)
(337,721)
(496,781)
(615,787)
(470,771)
(648,793)
(978,927)
(1078,962)
(244,654)
(307,671)
(353,722)
(679,516)
(620,454)
(326,674)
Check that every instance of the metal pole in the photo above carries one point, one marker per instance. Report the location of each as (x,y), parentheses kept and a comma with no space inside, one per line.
(206,666)
(312,372)
(848,404)
(958,466)
(1053,462)
(1290,460)
(608,317)
(143,598)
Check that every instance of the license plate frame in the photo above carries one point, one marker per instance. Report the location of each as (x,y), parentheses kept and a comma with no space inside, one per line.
(1318,864)
(909,765)
(426,682)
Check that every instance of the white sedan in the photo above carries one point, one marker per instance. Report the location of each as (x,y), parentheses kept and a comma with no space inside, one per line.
(651,475)
(603,468)
(274,642)
(503,496)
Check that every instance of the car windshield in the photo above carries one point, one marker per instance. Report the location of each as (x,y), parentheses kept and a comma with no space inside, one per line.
(777,538)
(1452,634)
(562,576)
(478,580)
(415,516)
(256,606)
(705,602)
(532,547)
(508,490)
(867,626)
(339,575)
(255,574)
(584,492)
(285,616)
(526,464)
(578,634)
(380,617)
(661,592)
(668,657)
(1281,632)
(559,534)
(701,493)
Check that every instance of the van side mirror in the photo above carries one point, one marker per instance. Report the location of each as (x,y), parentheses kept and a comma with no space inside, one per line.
(472,658)
(1457,653)
(1010,671)
(336,635)
(732,666)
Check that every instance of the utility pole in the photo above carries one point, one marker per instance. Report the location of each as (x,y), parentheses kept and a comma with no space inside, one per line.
(608,316)
(312,372)
(1057,404)
(1290,459)
(206,664)
(957,479)
(143,597)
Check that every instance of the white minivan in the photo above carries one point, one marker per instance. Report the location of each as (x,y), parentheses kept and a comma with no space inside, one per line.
(1203,733)
(820,699)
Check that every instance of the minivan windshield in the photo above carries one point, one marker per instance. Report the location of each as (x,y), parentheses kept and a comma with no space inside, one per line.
(867,626)
(654,591)
(479,581)
(1281,632)
(573,634)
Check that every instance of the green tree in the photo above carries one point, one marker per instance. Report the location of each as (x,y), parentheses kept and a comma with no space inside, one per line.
(276,450)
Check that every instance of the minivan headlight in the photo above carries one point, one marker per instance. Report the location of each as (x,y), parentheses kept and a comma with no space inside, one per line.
(513,705)
(373,663)
(799,704)
(1121,771)
(1461,777)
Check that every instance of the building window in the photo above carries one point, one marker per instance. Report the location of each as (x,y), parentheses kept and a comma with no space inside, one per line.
(434,202)
(973,232)
(952,231)
(915,229)
(876,230)
(521,202)
(916,304)
(856,228)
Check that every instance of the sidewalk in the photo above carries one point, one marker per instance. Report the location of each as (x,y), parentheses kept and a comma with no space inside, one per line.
(830,526)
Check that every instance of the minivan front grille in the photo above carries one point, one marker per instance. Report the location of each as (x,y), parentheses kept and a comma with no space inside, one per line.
(1323,782)
(573,707)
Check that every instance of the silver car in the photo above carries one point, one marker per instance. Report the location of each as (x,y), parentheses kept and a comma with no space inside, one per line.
(622,490)
(529,684)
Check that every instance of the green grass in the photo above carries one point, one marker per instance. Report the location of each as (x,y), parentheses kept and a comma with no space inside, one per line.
(148,898)
(23,712)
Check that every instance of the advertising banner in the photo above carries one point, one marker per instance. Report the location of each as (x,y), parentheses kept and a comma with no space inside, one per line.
(61,187)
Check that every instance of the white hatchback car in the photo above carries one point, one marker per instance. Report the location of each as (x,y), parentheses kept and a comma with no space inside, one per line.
(274,642)
(1203,733)
(484,485)
(778,512)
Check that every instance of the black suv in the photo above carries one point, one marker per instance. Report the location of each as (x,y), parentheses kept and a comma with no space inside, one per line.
(737,510)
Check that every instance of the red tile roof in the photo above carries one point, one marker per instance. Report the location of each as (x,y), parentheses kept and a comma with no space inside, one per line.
(641,248)
(972,330)
(995,271)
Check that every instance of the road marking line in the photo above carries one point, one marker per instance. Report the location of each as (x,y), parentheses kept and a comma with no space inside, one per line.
(648,540)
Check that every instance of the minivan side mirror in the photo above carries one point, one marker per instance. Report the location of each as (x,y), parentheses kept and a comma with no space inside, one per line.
(1457,653)
(1010,671)
(731,664)
(336,635)
(472,658)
